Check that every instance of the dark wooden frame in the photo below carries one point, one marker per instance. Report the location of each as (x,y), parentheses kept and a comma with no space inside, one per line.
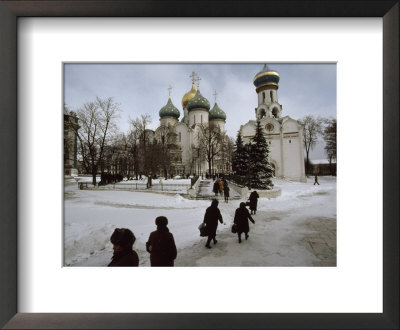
(9,13)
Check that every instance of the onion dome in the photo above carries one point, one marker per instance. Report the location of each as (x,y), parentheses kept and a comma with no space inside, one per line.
(188,96)
(169,110)
(198,101)
(266,77)
(217,113)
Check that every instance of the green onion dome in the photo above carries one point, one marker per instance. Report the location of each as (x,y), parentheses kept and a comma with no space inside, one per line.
(198,101)
(266,77)
(217,113)
(169,110)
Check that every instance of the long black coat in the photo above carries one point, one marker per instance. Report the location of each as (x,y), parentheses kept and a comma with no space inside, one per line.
(162,248)
(211,218)
(126,258)
(253,200)
(226,190)
(241,219)
(216,187)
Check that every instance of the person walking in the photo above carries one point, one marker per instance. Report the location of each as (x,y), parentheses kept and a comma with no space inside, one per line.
(216,188)
(253,201)
(221,186)
(211,218)
(161,245)
(122,240)
(316,180)
(226,192)
(241,220)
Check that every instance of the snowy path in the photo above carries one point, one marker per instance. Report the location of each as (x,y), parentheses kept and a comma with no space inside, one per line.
(295,229)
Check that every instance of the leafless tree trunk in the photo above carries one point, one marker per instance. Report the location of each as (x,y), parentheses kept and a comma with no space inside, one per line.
(312,128)
(210,142)
(97,124)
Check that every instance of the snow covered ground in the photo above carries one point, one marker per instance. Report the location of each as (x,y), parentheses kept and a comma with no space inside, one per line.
(275,239)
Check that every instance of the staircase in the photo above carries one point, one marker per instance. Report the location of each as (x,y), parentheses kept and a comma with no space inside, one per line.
(204,191)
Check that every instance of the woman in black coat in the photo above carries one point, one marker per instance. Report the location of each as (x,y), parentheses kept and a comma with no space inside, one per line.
(253,201)
(216,187)
(241,220)
(161,245)
(211,218)
(122,240)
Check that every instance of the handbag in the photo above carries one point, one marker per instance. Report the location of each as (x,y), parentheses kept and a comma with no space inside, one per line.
(234,228)
(203,229)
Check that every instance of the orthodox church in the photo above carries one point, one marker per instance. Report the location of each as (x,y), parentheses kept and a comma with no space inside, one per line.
(181,136)
(284,134)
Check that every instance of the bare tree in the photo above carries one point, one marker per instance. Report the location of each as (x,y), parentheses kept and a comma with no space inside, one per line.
(329,135)
(165,136)
(312,128)
(210,141)
(97,124)
(137,141)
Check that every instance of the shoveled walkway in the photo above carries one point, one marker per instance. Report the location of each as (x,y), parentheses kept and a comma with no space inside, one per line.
(204,191)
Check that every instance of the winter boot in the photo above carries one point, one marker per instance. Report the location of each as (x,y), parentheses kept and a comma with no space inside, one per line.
(247,236)
(208,246)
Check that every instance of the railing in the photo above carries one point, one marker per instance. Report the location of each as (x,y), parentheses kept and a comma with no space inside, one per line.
(140,186)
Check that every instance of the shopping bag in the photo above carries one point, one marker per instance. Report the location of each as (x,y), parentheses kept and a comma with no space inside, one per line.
(203,229)
(234,228)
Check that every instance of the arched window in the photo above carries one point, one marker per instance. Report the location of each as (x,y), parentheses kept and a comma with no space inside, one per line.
(275,112)
(179,136)
(263,97)
(271,94)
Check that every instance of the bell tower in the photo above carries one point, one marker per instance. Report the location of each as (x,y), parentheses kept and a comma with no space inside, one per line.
(267,84)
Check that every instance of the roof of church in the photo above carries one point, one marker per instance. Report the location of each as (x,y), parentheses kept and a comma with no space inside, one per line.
(169,110)
(266,77)
(217,113)
(188,96)
(198,101)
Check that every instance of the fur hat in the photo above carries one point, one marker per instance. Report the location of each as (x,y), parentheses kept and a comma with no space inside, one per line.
(161,221)
(123,237)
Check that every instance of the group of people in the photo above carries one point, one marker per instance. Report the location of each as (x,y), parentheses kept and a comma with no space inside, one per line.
(221,186)
(161,243)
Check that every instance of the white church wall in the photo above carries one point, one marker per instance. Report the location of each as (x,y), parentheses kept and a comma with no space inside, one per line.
(292,157)
(198,117)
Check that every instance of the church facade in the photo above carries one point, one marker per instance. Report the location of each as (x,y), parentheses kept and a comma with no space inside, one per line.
(181,137)
(284,134)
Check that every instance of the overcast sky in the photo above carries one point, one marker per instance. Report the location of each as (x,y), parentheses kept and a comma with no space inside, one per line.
(143,89)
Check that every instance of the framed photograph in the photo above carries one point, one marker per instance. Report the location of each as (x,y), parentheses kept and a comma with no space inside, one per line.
(60,63)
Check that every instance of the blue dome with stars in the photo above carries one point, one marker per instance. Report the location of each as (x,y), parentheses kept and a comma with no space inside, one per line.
(217,113)
(198,101)
(169,110)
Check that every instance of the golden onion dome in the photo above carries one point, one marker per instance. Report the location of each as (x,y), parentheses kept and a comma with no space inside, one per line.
(188,96)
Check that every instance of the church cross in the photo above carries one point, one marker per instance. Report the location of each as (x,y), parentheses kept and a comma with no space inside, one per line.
(193,75)
(215,96)
(169,90)
(198,82)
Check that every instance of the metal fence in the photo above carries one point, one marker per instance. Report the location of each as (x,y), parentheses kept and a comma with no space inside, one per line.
(137,186)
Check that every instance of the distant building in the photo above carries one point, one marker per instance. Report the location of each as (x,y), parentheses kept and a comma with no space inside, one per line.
(284,134)
(70,143)
(323,167)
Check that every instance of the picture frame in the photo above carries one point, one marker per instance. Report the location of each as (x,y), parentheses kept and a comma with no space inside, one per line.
(9,13)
